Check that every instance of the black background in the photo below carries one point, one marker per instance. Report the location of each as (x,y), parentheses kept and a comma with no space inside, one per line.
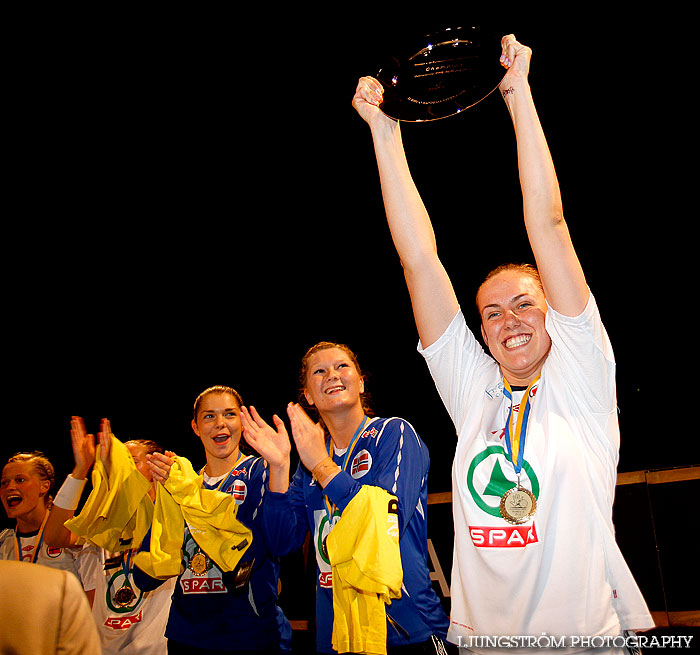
(195,202)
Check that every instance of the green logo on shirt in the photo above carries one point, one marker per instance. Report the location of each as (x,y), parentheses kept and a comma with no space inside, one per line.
(498,484)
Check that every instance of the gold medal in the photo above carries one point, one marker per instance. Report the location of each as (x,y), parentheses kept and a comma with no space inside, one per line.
(124,596)
(199,563)
(518,505)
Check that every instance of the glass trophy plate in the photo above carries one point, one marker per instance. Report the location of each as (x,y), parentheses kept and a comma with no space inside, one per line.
(441,74)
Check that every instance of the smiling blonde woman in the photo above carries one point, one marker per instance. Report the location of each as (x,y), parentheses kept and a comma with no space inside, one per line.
(25,490)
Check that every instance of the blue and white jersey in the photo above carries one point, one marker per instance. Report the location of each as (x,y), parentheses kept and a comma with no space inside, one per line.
(211,608)
(389,454)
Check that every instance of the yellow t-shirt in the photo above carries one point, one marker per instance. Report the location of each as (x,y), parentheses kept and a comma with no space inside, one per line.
(363,549)
(117,514)
(211,517)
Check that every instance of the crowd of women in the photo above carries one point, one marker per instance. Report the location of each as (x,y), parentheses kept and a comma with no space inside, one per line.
(182,560)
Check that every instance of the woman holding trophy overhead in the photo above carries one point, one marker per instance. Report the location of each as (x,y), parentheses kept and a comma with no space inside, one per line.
(536,420)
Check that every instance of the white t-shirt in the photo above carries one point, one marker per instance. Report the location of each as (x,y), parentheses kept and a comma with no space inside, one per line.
(131,623)
(27,549)
(560,573)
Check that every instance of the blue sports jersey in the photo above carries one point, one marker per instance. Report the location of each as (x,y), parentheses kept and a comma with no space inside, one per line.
(209,609)
(388,454)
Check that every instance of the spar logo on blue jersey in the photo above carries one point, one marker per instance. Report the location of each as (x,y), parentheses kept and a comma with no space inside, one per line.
(361,463)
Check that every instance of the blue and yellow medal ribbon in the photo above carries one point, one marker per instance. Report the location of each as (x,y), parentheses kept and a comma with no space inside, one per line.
(330,508)
(515,442)
(37,542)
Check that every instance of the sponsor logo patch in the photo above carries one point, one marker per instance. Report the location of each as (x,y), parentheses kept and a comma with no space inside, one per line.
(508,536)
(124,622)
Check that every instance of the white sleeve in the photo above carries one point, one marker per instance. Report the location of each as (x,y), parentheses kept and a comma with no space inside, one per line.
(460,368)
(88,565)
(583,351)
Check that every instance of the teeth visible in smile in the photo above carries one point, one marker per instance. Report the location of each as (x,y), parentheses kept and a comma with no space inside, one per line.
(339,387)
(12,501)
(520,340)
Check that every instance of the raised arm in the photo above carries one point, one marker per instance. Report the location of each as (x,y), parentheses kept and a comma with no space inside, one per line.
(66,502)
(562,277)
(432,296)
(272,443)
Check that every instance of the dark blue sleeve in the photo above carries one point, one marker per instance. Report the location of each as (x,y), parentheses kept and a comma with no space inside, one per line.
(284,519)
(141,579)
(400,465)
